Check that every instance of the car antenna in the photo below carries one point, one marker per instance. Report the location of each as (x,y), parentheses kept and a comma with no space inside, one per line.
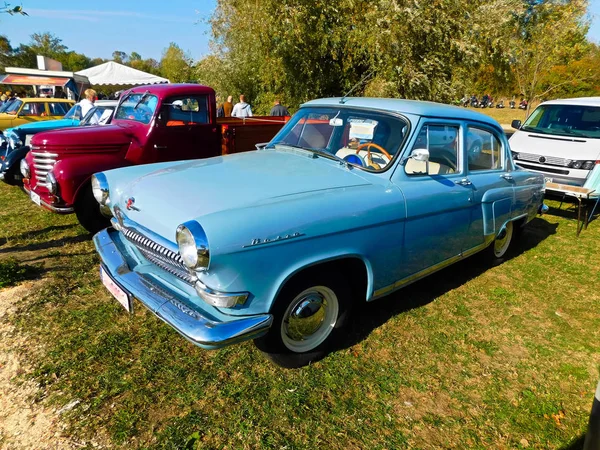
(362,80)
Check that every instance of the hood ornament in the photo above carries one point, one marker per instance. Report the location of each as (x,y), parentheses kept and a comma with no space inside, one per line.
(129,204)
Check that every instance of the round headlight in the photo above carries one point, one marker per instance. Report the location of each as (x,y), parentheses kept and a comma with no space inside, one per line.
(193,245)
(100,189)
(577,164)
(51,183)
(25,168)
(589,165)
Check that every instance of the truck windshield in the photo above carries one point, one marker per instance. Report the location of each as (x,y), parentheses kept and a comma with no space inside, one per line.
(565,120)
(134,107)
(366,139)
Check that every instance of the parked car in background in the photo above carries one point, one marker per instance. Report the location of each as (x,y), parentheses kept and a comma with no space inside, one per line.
(152,123)
(560,139)
(15,142)
(27,110)
(353,199)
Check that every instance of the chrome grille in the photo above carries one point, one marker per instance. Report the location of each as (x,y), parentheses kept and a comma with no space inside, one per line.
(43,162)
(157,254)
(550,160)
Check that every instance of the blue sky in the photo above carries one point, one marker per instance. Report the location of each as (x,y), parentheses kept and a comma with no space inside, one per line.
(98,28)
(146,26)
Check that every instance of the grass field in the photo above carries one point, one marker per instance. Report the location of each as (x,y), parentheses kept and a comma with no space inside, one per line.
(475,356)
(504,116)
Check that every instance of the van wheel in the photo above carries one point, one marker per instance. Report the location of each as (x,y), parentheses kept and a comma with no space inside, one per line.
(309,315)
(501,244)
(88,212)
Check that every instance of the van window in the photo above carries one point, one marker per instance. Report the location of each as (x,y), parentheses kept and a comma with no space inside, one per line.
(565,120)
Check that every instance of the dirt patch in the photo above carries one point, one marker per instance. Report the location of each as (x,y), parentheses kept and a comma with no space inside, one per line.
(24,423)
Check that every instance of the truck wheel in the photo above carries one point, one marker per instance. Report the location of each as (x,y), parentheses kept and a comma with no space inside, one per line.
(309,315)
(501,244)
(88,212)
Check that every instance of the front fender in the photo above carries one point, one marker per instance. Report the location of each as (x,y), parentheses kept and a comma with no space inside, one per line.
(73,172)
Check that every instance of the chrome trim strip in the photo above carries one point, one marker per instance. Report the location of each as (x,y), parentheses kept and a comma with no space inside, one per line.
(188,320)
(428,271)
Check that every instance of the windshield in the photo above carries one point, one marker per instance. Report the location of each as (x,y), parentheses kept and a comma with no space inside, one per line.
(73,113)
(98,115)
(138,106)
(565,120)
(13,107)
(363,138)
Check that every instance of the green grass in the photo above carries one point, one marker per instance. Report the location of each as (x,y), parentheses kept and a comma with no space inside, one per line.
(475,356)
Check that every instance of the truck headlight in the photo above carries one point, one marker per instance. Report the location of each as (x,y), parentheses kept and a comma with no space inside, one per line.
(25,169)
(51,183)
(193,245)
(100,189)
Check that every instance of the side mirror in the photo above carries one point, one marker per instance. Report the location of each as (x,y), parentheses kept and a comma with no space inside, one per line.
(420,154)
(516,124)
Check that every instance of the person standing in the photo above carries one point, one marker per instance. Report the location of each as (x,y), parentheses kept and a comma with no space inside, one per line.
(88,102)
(242,109)
(279,110)
(228,106)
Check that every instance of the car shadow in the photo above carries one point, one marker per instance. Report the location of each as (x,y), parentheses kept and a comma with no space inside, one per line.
(46,245)
(374,314)
(32,234)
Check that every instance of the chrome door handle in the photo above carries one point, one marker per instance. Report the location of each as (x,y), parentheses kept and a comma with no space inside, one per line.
(464,182)
(507,176)
(160,147)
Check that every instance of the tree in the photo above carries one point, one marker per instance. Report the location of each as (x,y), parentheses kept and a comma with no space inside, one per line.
(119,57)
(47,44)
(175,64)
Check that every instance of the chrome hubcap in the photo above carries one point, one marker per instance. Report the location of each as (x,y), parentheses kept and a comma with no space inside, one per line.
(503,240)
(309,319)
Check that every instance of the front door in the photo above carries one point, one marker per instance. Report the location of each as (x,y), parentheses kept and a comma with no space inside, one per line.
(438,198)
(185,129)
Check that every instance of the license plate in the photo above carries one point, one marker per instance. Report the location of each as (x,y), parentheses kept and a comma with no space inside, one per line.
(122,297)
(547,180)
(35,198)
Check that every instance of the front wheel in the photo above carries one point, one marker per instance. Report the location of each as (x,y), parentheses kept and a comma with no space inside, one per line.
(88,212)
(308,317)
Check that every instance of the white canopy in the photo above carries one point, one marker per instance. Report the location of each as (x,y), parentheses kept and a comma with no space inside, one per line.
(115,73)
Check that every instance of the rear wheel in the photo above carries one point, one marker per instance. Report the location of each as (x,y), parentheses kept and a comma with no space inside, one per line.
(502,242)
(88,212)
(308,316)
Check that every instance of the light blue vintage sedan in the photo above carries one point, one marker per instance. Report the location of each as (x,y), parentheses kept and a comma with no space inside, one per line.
(353,199)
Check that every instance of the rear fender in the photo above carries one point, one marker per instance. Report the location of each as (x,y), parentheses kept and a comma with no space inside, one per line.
(497,205)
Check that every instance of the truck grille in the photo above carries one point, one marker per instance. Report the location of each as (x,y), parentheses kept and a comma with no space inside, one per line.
(43,162)
(550,160)
(157,254)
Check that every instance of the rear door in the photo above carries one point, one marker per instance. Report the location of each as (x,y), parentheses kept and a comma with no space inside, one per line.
(185,129)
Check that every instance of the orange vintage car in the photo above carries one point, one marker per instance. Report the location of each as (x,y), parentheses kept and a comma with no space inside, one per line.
(25,110)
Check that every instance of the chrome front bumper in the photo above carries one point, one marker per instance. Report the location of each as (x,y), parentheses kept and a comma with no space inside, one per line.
(171,308)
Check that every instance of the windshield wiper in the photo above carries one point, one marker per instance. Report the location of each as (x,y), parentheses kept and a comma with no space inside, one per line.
(141,99)
(312,150)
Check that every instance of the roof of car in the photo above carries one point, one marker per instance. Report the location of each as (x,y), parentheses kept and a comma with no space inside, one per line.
(416,107)
(581,101)
(163,90)
(106,102)
(46,99)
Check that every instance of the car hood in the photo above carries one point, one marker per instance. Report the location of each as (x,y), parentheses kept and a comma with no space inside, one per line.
(556,146)
(174,193)
(36,127)
(105,136)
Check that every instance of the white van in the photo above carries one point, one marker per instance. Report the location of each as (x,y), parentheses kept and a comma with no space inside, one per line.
(560,139)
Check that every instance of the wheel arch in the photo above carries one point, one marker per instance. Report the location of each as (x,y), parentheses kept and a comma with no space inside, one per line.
(361,277)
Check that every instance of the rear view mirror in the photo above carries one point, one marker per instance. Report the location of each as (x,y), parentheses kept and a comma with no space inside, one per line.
(420,154)
(516,124)
(177,104)
(335,122)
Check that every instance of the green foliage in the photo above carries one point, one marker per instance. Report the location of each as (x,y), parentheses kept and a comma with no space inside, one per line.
(175,64)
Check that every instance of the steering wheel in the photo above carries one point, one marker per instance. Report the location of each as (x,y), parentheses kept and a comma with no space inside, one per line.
(368,158)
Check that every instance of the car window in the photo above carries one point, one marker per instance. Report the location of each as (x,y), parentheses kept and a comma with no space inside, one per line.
(187,110)
(442,143)
(484,150)
(58,109)
(33,109)
(74,113)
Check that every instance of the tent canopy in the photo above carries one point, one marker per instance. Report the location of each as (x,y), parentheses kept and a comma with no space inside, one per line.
(115,73)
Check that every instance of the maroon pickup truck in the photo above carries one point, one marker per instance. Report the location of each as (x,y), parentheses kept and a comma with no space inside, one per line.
(151,124)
